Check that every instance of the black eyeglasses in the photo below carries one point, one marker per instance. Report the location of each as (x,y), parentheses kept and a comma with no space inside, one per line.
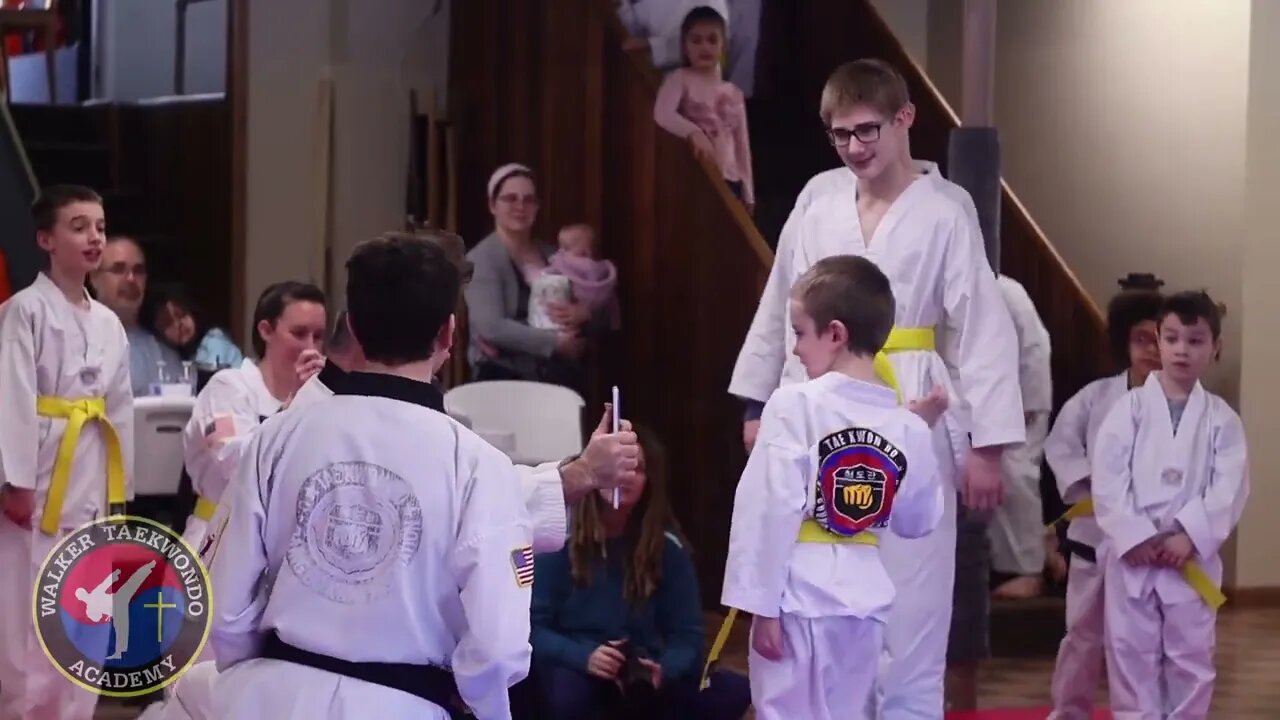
(866,133)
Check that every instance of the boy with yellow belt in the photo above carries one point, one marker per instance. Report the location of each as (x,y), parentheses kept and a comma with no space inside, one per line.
(837,461)
(66,436)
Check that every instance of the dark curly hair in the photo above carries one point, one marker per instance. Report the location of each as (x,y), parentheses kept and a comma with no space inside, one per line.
(1126,310)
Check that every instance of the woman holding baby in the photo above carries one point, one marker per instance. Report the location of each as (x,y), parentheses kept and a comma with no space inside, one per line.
(531,306)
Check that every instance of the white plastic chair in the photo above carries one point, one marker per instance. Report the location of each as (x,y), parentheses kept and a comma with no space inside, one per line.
(531,422)
(158,421)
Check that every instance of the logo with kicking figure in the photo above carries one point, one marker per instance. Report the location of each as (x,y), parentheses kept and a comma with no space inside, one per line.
(122,606)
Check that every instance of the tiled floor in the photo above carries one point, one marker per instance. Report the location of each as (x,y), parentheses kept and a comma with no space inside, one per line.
(1248,671)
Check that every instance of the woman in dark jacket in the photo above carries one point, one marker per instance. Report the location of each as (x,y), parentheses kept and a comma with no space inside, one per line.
(617,621)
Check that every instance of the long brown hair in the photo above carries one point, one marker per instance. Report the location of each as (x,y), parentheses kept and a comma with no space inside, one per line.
(651,519)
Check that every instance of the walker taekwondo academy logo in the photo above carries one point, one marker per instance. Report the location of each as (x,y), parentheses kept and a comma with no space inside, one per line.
(122,606)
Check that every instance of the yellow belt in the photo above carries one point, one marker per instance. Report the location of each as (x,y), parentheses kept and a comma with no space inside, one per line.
(1195,575)
(810,532)
(205,509)
(899,340)
(77,412)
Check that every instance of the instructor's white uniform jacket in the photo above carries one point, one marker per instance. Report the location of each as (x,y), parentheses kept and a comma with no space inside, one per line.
(371,527)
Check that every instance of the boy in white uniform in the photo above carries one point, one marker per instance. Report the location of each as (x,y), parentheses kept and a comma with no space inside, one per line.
(64,360)
(922,232)
(1170,480)
(837,460)
(1016,530)
(1131,325)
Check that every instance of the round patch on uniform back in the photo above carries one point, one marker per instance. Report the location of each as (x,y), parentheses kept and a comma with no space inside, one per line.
(858,476)
(356,522)
(122,606)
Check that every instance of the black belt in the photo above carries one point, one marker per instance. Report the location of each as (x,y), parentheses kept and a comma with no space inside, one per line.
(1080,550)
(433,684)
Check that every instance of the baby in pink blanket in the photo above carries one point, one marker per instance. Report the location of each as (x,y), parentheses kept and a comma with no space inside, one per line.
(594,281)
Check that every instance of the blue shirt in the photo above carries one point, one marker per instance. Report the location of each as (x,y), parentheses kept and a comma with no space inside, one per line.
(570,621)
(218,351)
(145,354)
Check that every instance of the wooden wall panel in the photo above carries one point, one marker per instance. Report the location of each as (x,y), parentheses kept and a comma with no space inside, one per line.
(562,96)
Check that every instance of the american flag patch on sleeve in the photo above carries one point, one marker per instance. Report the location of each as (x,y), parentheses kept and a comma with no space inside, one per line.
(522,565)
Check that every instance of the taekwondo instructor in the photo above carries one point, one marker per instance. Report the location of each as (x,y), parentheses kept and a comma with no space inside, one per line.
(396,559)
(608,459)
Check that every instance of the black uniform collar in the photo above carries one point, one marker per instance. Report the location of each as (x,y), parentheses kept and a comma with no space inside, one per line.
(332,376)
(392,387)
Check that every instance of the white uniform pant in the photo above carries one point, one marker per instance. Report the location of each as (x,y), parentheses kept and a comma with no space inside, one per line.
(1159,656)
(31,688)
(827,672)
(1078,672)
(923,574)
(1016,530)
(262,689)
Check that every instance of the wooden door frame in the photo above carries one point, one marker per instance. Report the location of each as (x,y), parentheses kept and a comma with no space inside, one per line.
(237,95)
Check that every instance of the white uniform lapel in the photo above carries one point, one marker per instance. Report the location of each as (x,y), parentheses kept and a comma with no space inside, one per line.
(1163,460)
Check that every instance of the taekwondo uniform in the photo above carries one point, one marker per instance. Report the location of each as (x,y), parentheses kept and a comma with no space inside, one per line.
(542,485)
(1070,444)
(1016,530)
(1163,467)
(64,373)
(227,411)
(397,564)
(837,462)
(930,247)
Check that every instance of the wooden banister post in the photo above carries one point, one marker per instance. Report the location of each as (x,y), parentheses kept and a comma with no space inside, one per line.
(973,155)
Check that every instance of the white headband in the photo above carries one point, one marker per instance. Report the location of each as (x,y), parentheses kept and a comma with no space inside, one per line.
(503,173)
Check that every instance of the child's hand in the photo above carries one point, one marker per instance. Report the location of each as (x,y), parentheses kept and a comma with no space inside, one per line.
(1145,554)
(634,44)
(569,345)
(1176,550)
(766,637)
(702,148)
(931,406)
(18,504)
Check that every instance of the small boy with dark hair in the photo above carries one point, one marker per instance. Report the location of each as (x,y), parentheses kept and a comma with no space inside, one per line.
(62,354)
(1170,479)
(1131,325)
(837,461)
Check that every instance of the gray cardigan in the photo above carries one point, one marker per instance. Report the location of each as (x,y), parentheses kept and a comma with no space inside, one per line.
(493,299)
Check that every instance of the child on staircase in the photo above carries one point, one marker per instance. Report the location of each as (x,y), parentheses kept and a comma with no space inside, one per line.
(696,103)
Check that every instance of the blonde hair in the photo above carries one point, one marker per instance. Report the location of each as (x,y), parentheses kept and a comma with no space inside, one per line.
(863,82)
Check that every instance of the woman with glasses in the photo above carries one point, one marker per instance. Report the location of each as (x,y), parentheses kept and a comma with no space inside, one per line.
(503,346)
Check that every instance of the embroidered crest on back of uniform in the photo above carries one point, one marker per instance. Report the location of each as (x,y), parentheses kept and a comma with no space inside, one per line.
(357,523)
(858,475)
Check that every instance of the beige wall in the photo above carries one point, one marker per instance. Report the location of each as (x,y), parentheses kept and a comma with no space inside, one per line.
(374,52)
(1123,132)
(909,20)
(1259,535)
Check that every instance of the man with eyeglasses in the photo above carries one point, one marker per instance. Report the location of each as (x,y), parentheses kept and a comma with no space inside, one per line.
(923,232)
(120,283)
